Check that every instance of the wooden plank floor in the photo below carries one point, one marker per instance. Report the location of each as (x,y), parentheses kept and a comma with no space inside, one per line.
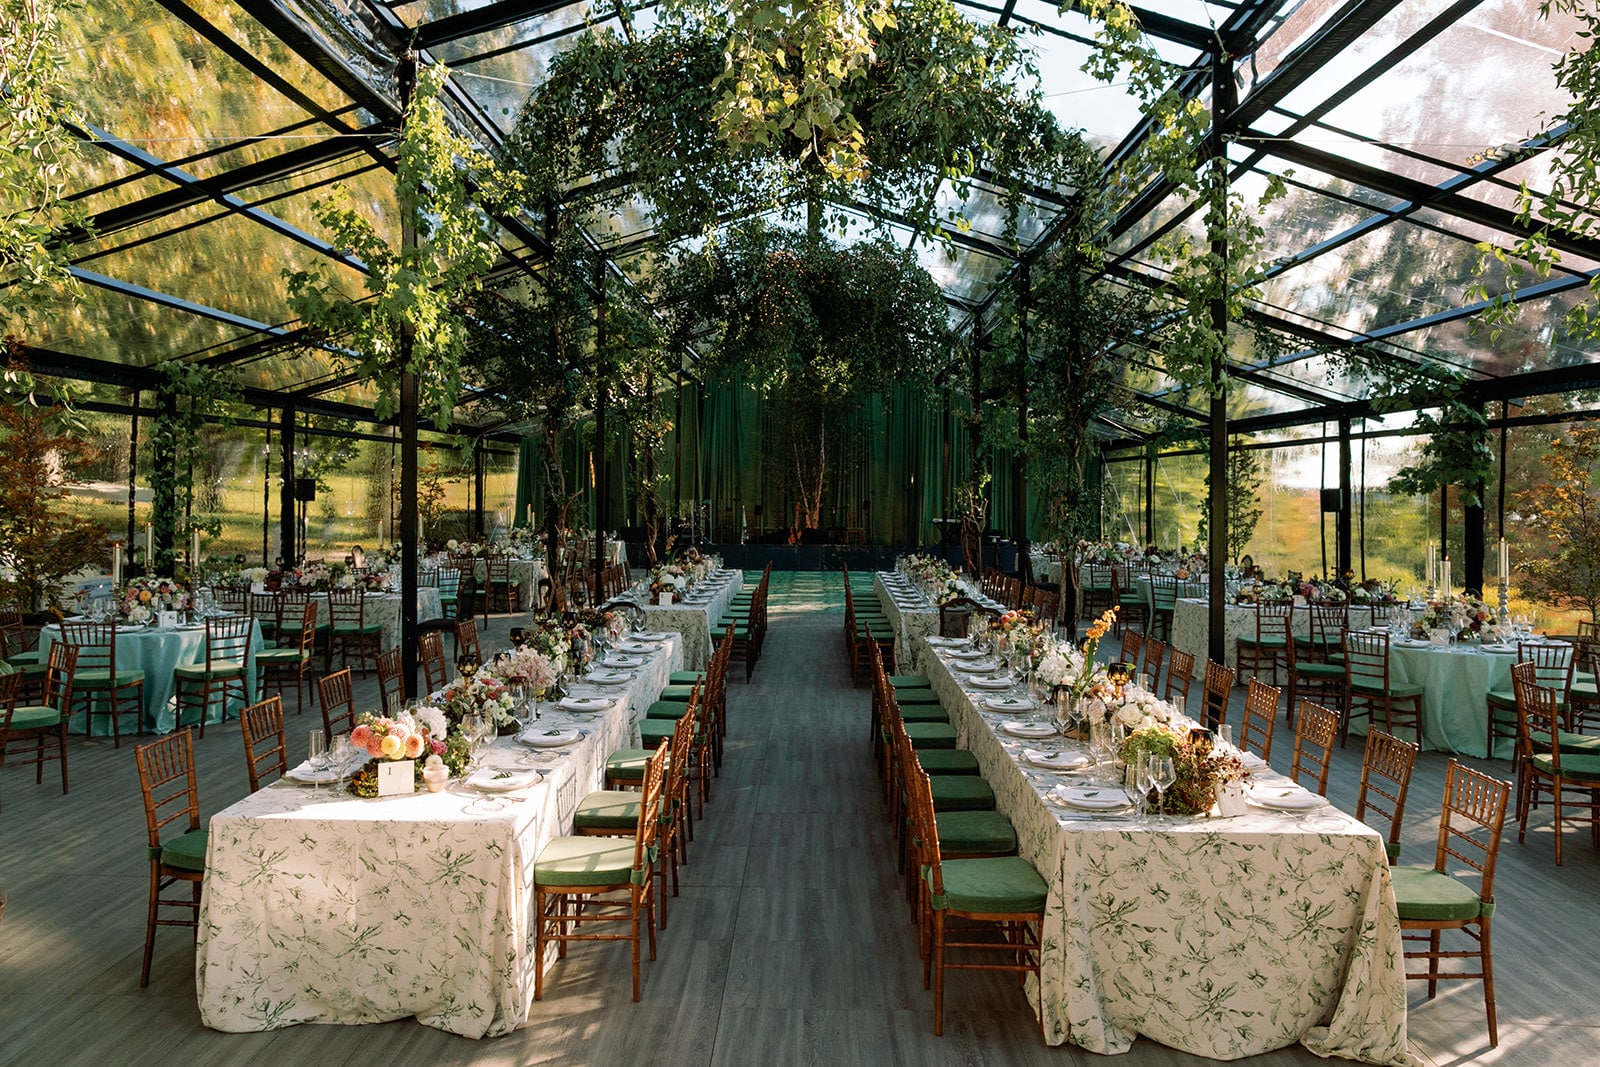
(790,942)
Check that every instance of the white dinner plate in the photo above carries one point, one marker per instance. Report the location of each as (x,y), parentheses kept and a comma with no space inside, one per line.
(624,661)
(608,677)
(967,655)
(550,738)
(1005,682)
(947,642)
(500,780)
(636,647)
(1512,649)
(1067,760)
(305,775)
(586,703)
(1012,704)
(652,636)
(1283,797)
(1090,798)
(1018,728)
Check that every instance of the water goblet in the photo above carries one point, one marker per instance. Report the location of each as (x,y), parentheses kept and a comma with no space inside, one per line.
(316,756)
(342,749)
(1162,776)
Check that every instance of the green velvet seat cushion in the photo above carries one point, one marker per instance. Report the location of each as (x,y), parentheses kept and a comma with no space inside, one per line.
(937,761)
(1263,642)
(686,677)
(961,792)
(1003,885)
(1426,895)
(910,681)
(1320,671)
(924,713)
(654,731)
(974,832)
(569,861)
(608,809)
(740,633)
(195,672)
(186,852)
(100,678)
(1575,767)
(678,694)
(1571,741)
(33,717)
(23,659)
(667,709)
(348,629)
(29,670)
(908,698)
(627,764)
(931,735)
(276,657)
(1396,689)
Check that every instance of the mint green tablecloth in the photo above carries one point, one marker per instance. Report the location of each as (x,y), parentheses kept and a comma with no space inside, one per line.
(1456,679)
(158,653)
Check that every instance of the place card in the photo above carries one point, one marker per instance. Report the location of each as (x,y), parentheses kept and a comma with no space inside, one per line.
(664,599)
(167,620)
(397,778)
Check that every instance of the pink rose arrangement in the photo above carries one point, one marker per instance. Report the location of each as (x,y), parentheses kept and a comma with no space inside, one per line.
(397,738)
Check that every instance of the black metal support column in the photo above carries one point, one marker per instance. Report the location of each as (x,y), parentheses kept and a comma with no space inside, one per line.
(602,452)
(286,503)
(408,431)
(133,474)
(1019,462)
(1472,522)
(1343,550)
(477,488)
(1223,101)
(1150,494)
(164,505)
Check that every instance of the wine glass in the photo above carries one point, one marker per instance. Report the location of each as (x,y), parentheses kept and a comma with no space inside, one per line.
(1139,772)
(340,760)
(316,756)
(1162,776)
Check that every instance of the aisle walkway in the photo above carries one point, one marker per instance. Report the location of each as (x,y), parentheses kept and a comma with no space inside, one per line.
(790,944)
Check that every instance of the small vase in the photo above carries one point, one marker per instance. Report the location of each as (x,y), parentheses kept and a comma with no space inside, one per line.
(435,777)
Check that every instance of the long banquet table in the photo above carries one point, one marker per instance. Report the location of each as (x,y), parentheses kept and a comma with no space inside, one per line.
(694,619)
(1220,937)
(322,907)
(911,624)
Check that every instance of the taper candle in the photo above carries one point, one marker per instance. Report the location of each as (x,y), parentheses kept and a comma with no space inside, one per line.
(149,547)
(194,551)
(1505,560)
(116,565)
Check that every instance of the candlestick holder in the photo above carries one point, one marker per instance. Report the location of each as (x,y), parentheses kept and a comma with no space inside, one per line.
(1503,613)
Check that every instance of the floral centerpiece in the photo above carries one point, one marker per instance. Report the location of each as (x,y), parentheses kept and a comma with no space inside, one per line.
(593,621)
(1318,591)
(1464,618)
(948,589)
(1073,673)
(413,735)
(1372,591)
(376,581)
(669,578)
(525,666)
(141,598)
(481,693)
(928,570)
(1016,627)
(1200,769)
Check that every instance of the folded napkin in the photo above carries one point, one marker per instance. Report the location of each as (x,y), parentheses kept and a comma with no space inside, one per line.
(586,703)
(306,774)
(1067,760)
(1289,797)
(501,780)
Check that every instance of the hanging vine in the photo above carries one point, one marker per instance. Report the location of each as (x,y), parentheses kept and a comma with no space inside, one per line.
(185,395)
(444,185)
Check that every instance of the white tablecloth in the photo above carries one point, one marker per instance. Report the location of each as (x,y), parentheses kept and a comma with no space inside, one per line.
(694,621)
(1221,937)
(910,625)
(526,574)
(322,907)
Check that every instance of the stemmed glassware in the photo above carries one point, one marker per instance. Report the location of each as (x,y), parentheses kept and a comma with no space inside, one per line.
(1136,776)
(316,756)
(1162,776)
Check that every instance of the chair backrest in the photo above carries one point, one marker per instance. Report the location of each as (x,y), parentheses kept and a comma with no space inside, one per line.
(1096,578)
(266,747)
(1470,820)
(228,641)
(1163,592)
(391,686)
(10,686)
(297,625)
(1552,664)
(1260,718)
(467,639)
(168,784)
(650,797)
(430,651)
(1385,779)
(338,702)
(428,578)
(1132,645)
(1180,672)
(265,607)
(1216,690)
(347,607)
(1273,618)
(1328,622)
(955,616)
(497,570)
(448,578)
(1366,659)
(59,667)
(13,634)
(96,643)
(1155,653)
(1540,718)
(1315,728)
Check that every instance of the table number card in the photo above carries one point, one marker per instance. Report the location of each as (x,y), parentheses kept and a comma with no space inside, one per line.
(664,599)
(166,620)
(397,777)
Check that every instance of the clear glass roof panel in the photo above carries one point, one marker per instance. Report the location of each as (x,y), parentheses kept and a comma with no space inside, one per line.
(120,328)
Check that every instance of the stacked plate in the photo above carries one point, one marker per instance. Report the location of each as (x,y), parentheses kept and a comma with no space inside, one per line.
(1282,797)
(586,703)
(1018,728)
(1090,798)
(605,677)
(1003,682)
(1068,760)
(550,738)
(636,647)
(1014,705)
(497,780)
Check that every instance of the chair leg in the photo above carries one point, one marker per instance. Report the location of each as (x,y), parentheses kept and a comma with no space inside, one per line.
(150,924)
(1488,983)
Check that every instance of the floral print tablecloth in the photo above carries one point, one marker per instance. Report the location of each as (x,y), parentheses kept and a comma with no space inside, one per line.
(320,907)
(911,624)
(694,621)
(1221,937)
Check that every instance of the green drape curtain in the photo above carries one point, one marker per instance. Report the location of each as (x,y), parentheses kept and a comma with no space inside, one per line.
(897,456)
